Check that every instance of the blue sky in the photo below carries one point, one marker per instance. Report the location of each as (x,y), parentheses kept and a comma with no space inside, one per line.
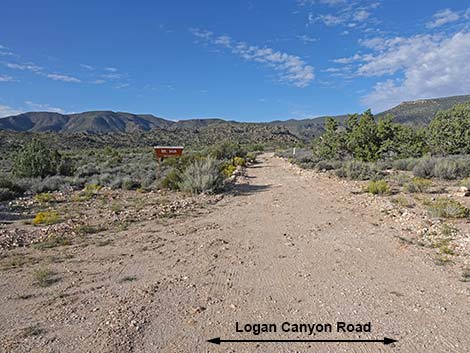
(239,60)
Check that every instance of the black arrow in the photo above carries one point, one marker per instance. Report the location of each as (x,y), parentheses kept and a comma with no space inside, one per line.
(385,340)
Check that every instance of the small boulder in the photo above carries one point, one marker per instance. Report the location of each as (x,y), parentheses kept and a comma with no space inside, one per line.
(463,192)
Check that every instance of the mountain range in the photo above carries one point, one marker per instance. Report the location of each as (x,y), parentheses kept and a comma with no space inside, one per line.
(417,112)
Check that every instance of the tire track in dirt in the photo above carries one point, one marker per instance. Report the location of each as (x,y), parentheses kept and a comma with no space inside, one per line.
(305,254)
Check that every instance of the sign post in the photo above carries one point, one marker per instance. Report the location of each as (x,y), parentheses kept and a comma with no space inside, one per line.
(168,151)
(165,152)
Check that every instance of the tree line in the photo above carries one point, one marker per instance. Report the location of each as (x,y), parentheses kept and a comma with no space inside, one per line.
(368,139)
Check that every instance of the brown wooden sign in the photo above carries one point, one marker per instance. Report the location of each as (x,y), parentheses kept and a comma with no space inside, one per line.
(168,151)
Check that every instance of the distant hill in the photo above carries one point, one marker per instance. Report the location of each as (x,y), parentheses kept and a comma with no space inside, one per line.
(422,111)
(93,122)
(307,129)
(414,113)
(98,122)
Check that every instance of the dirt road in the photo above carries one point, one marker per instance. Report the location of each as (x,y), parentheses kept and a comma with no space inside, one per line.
(286,249)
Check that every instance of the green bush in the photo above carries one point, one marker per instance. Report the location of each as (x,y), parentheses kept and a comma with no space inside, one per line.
(36,160)
(405,164)
(201,176)
(425,168)
(448,132)
(379,187)
(227,150)
(327,165)
(228,170)
(447,208)
(251,157)
(446,169)
(239,161)
(417,185)
(66,167)
(172,179)
(45,197)
(357,170)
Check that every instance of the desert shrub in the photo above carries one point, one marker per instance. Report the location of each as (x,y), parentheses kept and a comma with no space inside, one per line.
(226,150)
(116,182)
(447,208)
(36,160)
(130,184)
(86,170)
(405,164)
(465,182)
(251,157)
(384,164)
(201,176)
(357,170)
(401,179)
(379,187)
(7,183)
(45,197)
(89,229)
(148,179)
(239,161)
(6,194)
(172,179)
(255,148)
(327,165)
(92,189)
(46,218)
(446,169)
(44,277)
(52,183)
(228,170)
(417,185)
(403,201)
(66,167)
(425,168)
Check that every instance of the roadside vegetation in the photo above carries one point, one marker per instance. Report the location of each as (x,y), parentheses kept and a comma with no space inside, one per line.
(58,197)
(421,176)
(37,169)
(366,148)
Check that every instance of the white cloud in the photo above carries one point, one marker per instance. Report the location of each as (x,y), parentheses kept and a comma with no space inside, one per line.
(307,39)
(98,82)
(110,69)
(24,67)
(6,78)
(361,15)
(63,78)
(351,14)
(291,68)
(39,71)
(397,54)
(431,67)
(44,107)
(112,76)
(87,67)
(443,17)
(122,85)
(349,60)
(202,33)
(329,20)
(5,111)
